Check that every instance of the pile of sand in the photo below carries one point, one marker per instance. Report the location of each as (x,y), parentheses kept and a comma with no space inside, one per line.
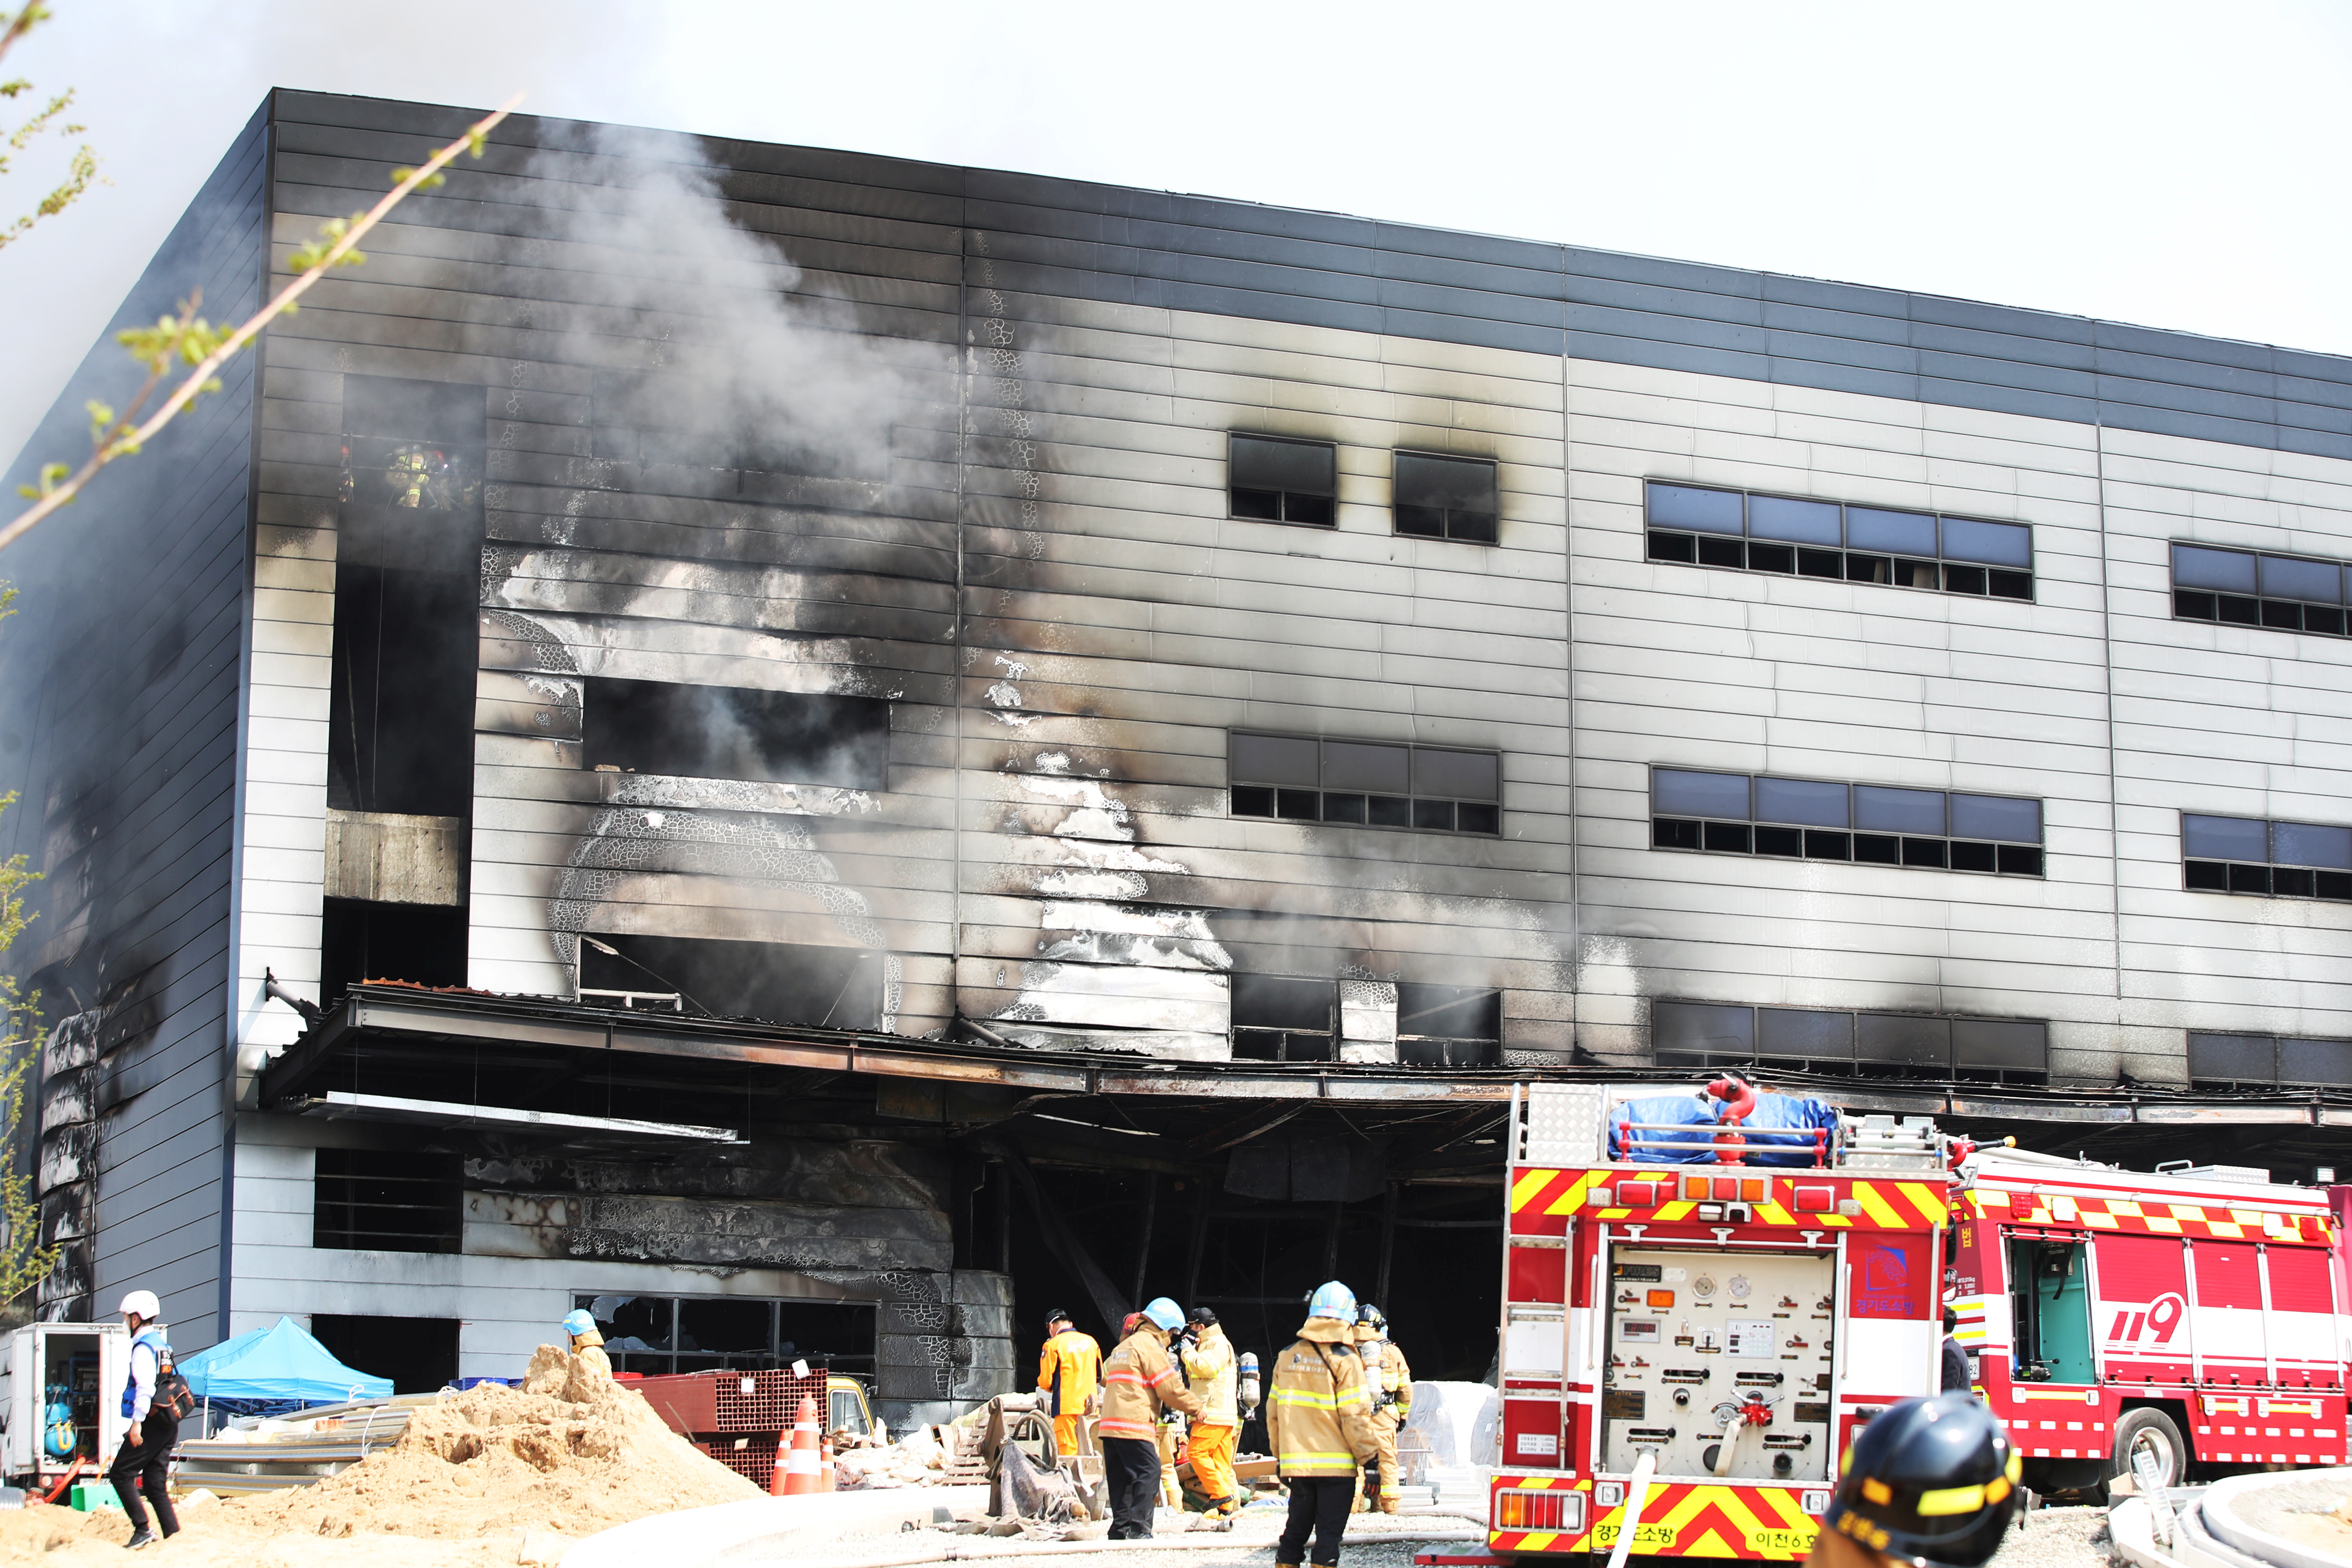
(570,1452)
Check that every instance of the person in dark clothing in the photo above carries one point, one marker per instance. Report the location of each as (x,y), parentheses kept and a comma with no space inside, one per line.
(144,1464)
(1956,1360)
(1131,1477)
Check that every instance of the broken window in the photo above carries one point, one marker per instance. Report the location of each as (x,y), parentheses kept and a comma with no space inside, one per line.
(2273,859)
(1449,1026)
(1280,1019)
(364,939)
(735,732)
(1273,480)
(2249,589)
(658,1334)
(1801,537)
(1445,497)
(1734,813)
(1366,783)
(375,1200)
(2266,1061)
(1710,1036)
(826,987)
(412,445)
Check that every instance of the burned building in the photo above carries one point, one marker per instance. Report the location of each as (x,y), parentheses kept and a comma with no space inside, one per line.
(810,750)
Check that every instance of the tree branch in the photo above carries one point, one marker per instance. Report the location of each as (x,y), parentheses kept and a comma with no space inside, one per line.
(118,437)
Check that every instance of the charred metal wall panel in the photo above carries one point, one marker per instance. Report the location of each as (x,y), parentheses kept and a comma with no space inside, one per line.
(119,728)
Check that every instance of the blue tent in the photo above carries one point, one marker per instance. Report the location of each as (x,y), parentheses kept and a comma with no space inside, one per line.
(280,1362)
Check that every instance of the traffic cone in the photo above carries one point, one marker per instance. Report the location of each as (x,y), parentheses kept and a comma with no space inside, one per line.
(801,1467)
(783,1469)
(825,1466)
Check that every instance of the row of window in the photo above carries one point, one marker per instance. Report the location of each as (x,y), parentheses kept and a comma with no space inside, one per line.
(2266,1061)
(1812,819)
(1273,480)
(2279,860)
(2252,588)
(1366,783)
(1711,1036)
(1806,538)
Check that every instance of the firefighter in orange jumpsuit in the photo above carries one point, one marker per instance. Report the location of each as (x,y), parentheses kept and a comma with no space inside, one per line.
(1209,1372)
(1070,1371)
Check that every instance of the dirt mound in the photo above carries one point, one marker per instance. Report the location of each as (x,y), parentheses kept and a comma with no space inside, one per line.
(570,1452)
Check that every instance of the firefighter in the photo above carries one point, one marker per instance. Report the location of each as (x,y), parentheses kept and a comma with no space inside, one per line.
(1388,1379)
(1068,1372)
(1932,1483)
(1209,1369)
(1956,1378)
(1138,1383)
(1319,1420)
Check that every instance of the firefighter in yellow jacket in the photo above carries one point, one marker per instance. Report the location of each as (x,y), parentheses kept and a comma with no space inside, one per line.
(1318,1418)
(1069,1370)
(1139,1381)
(1389,1381)
(1208,1368)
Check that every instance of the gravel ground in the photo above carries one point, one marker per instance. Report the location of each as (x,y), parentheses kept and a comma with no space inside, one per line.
(2058,1538)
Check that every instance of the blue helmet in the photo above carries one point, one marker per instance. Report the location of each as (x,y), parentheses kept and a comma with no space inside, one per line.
(1332,1301)
(578,1323)
(1165,1314)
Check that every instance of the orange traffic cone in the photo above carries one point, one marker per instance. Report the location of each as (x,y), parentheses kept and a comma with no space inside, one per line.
(783,1466)
(801,1469)
(825,1466)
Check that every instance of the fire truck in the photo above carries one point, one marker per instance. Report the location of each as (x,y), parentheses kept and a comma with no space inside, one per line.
(1705,1295)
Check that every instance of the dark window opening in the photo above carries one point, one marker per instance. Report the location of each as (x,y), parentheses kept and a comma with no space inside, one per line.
(1273,480)
(360,940)
(400,708)
(1449,1026)
(1712,1036)
(736,732)
(1445,497)
(660,1334)
(387,1201)
(826,987)
(2256,1062)
(2247,588)
(2252,856)
(1277,1018)
(1809,819)
(419,1354)
(1789,534)
(412,445)
(1371,783)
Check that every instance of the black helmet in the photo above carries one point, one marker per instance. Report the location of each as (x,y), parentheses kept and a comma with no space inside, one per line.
(1202,1315)
(1932,1482)
(1370,1317)
(1058,1315)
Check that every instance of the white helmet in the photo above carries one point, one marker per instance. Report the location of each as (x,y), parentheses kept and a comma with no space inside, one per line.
(143,1302)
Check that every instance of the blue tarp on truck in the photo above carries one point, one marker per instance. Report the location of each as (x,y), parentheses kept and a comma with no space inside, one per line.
(1779,1132)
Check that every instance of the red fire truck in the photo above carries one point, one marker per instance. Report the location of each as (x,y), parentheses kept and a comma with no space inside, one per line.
(1697,1317)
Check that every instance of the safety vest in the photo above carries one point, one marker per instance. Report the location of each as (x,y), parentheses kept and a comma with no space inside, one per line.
(161,1349)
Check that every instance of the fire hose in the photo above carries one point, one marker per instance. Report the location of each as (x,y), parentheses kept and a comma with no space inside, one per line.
(956,1550)
(1637,1492)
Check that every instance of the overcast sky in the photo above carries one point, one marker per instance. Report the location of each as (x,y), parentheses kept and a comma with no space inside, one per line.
(2174,165)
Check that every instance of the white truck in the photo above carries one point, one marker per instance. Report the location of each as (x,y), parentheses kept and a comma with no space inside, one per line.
(80,1366)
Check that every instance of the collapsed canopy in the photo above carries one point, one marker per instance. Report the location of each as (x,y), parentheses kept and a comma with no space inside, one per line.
(278,1363)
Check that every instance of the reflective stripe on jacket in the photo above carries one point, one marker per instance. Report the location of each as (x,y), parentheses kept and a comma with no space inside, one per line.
(1319,1411)
(1208,1368)
(1139,1381)
(1068,1370)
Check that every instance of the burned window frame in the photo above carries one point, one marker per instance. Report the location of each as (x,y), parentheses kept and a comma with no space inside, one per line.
(1939,569)
(1264,800)
(602,694)
(2269,877)
(1457,525)
(1715,834)
(1874,1042)
(1272,1042)
(657,1362)
(2204,1043)
(1424,999)
(433,1223)
(2215,605)
(1291,508)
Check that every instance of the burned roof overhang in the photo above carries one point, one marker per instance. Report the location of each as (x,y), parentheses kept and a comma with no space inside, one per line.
(468,1048)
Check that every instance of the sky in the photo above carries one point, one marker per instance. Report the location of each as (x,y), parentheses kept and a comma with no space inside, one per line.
(2172,165)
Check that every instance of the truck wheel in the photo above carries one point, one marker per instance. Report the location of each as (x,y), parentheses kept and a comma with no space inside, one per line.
(2151,1432)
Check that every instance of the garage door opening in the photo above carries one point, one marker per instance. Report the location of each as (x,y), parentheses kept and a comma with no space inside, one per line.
(655,1335)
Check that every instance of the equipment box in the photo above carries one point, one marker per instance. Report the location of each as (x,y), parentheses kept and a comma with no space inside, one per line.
(61,1394)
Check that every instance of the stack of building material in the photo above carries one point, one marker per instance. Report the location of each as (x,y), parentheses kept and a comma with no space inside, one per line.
(259,1456)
